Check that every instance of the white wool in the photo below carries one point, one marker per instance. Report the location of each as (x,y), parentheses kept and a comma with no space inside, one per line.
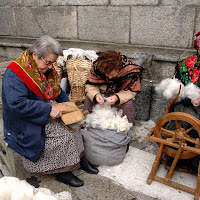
(22,191)
(12,188)
(6,187)
(65,195)
(60,60)
(91,55)
(43,190)
(192,92)
(107,117)
(169,88)
(77,53)
(44,196)
(140,132)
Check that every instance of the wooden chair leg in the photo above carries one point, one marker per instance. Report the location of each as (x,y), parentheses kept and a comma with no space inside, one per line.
(7,157)
(155,164)
(11,161)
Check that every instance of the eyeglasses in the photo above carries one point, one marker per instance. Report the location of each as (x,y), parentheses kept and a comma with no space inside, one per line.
(48,62)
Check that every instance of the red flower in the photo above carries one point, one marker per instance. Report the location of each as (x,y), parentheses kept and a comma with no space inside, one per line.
(195,76)
(189,70)
(190,62)
(29,66)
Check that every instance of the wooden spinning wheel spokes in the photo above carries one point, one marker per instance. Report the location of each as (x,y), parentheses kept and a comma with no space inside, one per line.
(179,135)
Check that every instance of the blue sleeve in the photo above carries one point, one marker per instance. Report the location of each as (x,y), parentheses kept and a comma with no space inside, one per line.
(62,97)
(20,100)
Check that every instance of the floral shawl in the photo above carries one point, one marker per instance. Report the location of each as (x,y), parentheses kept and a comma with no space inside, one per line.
(188,70)
(128,77)
(26,69)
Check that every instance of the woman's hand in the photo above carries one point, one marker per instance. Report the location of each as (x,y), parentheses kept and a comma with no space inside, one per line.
(55,113)
(112,99)
(196,103)
(99,99)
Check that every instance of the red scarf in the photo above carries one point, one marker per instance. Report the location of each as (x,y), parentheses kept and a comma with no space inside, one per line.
(25,68)
(128,77)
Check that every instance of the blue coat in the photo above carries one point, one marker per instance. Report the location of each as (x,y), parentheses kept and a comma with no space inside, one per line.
(25,115)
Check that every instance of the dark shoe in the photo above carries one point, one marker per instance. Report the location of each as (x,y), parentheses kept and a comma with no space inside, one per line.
(90,168)
(69,179)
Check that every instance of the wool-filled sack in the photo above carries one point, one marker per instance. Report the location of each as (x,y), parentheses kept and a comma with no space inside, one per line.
(105,147)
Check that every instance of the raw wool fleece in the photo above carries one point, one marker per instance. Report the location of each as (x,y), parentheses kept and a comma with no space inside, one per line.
(77,53)
(106,135)
(107,117)
(12,188)
(140,131)
(169,89)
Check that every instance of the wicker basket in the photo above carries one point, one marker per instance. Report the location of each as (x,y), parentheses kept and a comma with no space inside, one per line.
(77,71)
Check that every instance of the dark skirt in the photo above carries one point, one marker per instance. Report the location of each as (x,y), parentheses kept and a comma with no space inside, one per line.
(187,107)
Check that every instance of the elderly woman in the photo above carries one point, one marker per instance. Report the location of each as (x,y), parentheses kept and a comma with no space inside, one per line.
(115,79)
(31,124)
(188,71)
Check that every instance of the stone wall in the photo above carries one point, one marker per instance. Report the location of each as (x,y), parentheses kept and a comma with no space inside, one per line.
(153,33)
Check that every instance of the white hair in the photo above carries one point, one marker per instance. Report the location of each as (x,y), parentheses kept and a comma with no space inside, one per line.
(45,45)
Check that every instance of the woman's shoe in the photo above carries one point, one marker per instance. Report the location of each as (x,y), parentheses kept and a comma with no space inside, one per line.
(87,166)
(69,179)
(90,168)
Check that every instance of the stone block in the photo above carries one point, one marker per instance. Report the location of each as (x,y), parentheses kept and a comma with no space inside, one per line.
(7,22)
(158,105)
(197,24)
(17,3)
(5,3)
(1,76)
(143,102)
(159,70)
(58,22)
(10,52)
(162,26)
(75,2)
(142,59)
(3,66)
(134,2)
(108,24)
(181,3)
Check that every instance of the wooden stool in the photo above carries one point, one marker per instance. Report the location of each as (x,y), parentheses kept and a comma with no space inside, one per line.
(6,153)
(7,157)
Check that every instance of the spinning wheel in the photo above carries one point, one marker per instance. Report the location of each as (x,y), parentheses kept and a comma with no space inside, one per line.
(177,134)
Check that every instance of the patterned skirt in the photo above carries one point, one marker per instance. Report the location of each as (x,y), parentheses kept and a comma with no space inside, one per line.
(62,149)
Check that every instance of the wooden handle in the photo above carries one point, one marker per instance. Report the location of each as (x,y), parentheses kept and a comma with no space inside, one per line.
(85,112)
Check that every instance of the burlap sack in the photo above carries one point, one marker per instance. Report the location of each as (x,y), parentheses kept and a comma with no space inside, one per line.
(105,147)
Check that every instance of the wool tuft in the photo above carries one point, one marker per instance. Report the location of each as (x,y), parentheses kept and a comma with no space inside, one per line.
(192,92)
(141,130)
(77,53)
(12,188)
(169,88)
(107,117)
